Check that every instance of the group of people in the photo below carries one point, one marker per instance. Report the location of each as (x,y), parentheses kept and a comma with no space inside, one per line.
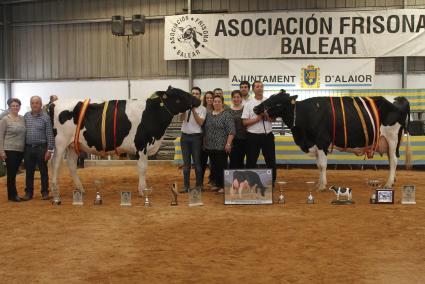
(29,137)
(226,136)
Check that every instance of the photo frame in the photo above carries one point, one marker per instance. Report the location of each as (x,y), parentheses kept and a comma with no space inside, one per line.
(77,198)
(125,198)
(248,186)
(384,196)
(408,194)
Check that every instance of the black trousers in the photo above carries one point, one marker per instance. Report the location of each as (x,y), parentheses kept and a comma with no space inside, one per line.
(237,156)
(218,165)
(265,143)
(204,162)
(13,161)
(34,155)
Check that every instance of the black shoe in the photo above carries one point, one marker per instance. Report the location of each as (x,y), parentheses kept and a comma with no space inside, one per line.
(26,197)
(15,199)
(45,196)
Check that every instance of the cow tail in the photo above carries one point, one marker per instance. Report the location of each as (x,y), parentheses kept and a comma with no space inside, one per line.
(404,106)
(408,153)
(51,112)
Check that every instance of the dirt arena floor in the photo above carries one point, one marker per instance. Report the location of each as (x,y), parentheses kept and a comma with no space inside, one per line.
(214,243)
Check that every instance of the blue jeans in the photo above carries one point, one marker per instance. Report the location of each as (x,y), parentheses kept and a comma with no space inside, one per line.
(191,150)
(34,155)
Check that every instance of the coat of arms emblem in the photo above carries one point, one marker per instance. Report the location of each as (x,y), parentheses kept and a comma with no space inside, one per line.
(310,77)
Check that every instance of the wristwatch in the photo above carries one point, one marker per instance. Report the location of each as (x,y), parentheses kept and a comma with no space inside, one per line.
(228,144)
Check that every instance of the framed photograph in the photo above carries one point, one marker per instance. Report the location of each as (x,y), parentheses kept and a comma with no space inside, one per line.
(384,196)
(125,198)
(77,197)
(248,186)
(408,194)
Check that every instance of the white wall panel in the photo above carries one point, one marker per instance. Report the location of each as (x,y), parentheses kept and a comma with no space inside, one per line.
(142,89)
(388,81)
(209,84)
(416,81)
(95,90)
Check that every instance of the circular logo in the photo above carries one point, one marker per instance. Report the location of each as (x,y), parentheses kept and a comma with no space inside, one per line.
(269,172)
(188,36)
(226,173)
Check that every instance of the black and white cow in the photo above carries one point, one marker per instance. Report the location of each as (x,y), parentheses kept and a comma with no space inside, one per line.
(247,179)
(313,126)
(139,128)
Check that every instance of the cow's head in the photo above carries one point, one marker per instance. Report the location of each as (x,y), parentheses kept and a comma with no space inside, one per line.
(188,35)
(278,105)
(174,100)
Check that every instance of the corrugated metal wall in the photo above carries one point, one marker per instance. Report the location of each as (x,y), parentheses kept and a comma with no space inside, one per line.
(78,50)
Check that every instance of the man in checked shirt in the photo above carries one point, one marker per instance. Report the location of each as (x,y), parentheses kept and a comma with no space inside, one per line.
(40,144)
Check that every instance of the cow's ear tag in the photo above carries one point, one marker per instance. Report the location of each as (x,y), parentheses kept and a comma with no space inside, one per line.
(161,104)
(293,102)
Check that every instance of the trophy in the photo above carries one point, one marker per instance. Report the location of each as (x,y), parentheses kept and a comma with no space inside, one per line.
(281,199)
(98,184)
(408,194)
(195,196)
(146,193)
(343,195)
(77,197)
(374,184)
(125,198)
(310,186)
(98,199)
(174,194)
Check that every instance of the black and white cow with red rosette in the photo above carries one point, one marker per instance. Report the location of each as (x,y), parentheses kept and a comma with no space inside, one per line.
(114,127)
(360,125)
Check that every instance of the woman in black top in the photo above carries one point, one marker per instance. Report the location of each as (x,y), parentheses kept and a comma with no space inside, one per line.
(237,156)
(219,133)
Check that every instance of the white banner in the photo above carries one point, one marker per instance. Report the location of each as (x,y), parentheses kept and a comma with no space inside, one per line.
(296,34)
(285,74)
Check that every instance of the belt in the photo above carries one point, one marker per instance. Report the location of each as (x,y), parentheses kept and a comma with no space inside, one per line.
(36,145)
(193,134)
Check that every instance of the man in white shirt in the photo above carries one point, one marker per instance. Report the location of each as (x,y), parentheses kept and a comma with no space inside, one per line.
(259,132)
(191,141)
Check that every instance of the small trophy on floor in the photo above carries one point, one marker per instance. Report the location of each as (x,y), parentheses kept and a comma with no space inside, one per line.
(310,199)
(98,199)
(146,193)
(174,192)
(374,184)
(281,199)
(310,186)
(98,183)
